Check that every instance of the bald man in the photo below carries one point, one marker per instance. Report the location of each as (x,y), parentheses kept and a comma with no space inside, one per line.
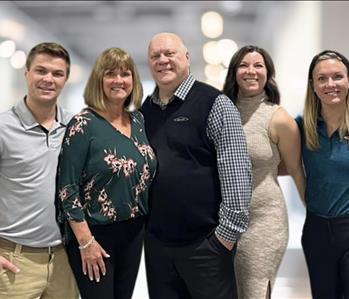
(201,194)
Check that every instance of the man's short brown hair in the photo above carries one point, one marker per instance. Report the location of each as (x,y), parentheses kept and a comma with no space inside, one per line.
(51,49)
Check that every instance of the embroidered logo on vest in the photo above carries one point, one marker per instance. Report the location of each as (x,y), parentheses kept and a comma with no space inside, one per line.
(181,119)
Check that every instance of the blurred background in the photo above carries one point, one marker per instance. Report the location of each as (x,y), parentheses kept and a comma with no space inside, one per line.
(291,31)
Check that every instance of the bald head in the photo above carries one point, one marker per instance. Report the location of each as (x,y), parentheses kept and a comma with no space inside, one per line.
(168,60)
(170,37)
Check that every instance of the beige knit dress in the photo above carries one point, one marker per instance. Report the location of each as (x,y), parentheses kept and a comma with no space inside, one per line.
(261,248)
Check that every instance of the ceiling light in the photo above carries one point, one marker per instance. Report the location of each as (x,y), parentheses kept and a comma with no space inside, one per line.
(226,49)
(212,24)
(214,83)
(212,72)
(222,76)
(18,59)
(12,29)
(210,53)
(7,48)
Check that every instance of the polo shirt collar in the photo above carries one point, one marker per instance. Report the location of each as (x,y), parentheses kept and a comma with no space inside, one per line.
(28,120)
(322,128)
(181,91)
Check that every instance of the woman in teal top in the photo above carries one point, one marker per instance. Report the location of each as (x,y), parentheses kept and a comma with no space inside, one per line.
(105,169)
(325,152)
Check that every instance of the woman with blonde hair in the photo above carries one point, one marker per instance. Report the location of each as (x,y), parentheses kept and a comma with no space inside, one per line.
(325,151)
(105,169)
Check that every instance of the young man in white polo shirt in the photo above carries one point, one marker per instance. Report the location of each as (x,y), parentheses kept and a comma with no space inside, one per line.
(33,262)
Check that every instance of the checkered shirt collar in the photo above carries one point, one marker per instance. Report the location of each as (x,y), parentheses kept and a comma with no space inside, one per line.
(181,91)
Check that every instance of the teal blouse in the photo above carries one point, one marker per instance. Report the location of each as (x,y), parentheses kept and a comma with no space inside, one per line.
(327,172)
(104,176)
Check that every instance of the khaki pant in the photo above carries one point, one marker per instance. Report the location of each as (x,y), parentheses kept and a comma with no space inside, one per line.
(44,273)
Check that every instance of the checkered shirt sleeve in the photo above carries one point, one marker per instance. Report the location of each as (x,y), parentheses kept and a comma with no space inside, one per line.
(234,168)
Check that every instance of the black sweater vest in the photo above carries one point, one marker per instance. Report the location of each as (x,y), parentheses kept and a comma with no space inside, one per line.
(185,195)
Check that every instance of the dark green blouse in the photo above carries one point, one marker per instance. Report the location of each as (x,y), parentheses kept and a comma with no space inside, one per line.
(104,176)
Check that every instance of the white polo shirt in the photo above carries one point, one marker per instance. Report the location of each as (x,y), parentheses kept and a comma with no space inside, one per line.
(28,164)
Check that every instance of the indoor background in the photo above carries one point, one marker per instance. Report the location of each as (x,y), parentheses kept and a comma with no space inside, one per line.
(291,31)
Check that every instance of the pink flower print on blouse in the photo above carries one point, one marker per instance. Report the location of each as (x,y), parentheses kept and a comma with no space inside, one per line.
(76,203)
(87,189)
(81,121)
(128,166)
(145,176)
(117,164)
(63,193)
(107,209)
(134,211)
(145,150)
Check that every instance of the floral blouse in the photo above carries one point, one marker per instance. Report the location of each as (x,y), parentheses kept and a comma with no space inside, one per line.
(103,176)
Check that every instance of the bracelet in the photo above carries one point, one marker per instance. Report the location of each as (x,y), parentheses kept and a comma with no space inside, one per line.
(88,244)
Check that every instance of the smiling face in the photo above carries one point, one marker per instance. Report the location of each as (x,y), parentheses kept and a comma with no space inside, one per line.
(117,85)
(330,81)
(45,79)
(168,60)
(251,74)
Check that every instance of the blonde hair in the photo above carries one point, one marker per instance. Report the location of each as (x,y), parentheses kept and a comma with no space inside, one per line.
(113,58)
(312,105)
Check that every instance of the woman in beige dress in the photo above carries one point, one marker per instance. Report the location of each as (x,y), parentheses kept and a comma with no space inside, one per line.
(272,136)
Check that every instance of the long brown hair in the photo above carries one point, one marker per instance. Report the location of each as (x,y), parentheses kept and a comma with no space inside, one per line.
(231,87)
